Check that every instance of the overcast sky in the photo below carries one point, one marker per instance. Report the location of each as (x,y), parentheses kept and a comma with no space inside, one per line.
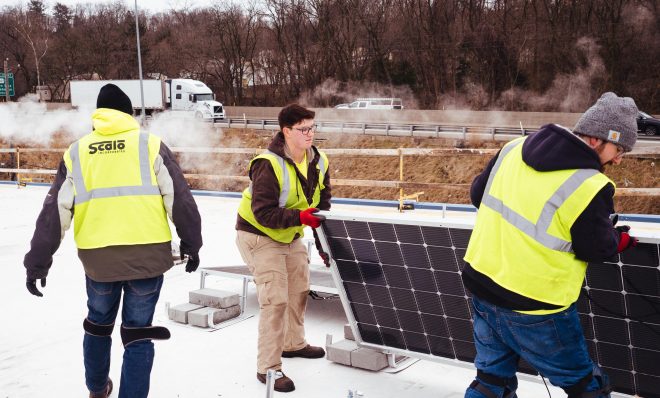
(151,5)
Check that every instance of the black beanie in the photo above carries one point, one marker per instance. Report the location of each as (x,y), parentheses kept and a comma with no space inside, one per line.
(112,97)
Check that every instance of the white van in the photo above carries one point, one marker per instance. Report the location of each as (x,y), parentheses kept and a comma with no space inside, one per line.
(373,103)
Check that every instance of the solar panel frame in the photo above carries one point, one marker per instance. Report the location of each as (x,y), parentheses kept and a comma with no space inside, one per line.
(399,325)
(359,295)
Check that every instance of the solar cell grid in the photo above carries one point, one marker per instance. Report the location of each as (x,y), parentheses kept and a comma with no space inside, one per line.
(646,386)
(646,280)
(401,283)
(415,256)
(422,279)
(643,308)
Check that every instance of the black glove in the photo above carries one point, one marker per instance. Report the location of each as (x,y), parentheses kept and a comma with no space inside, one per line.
(614,217)
(623,228)
(193,258)
(193,262)
(31,285)
(325,257)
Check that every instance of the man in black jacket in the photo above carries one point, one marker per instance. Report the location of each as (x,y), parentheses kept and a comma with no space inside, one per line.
(544,213)
(123,184)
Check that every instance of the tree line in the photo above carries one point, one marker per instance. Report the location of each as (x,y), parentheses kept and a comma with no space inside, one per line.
(536,55)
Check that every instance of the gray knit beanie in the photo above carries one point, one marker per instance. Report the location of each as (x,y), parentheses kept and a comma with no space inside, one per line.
(612,119)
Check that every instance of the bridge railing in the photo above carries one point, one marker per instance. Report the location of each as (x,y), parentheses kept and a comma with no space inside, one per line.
(18,172)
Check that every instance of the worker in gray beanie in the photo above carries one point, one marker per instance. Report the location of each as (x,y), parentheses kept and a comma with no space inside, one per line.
(544,215)
(612,119)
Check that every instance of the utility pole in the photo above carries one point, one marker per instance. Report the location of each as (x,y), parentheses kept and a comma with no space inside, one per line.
(137,33)
(6,79)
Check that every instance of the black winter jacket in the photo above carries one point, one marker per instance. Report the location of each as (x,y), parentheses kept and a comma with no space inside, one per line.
(123,262)
(593,237)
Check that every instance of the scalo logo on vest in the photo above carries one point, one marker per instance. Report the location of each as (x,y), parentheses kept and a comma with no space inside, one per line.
(107,147)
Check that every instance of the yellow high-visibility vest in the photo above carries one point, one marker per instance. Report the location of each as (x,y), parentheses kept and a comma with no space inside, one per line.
(522,236)
(286,177)
(117,200)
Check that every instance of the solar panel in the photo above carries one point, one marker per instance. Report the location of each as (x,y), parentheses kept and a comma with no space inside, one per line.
(399,282)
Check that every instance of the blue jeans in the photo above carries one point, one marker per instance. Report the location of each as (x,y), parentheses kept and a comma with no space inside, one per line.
(553,344)
(140,297)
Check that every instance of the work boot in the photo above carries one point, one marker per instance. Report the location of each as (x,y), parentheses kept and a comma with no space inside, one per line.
(282,383)
(105,394)
(309,351)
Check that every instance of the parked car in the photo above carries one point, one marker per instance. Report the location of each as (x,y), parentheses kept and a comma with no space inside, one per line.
(373,103)
(647,124)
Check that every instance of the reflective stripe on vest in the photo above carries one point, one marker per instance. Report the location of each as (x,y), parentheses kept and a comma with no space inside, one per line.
(293,201)
(286,178)
(82,195)
(538,231)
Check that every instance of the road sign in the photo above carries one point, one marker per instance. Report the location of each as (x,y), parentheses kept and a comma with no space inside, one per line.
(3,84)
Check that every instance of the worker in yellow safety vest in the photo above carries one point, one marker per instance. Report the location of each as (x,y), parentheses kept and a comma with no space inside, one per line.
(545,211)
(119,185)
(288,184)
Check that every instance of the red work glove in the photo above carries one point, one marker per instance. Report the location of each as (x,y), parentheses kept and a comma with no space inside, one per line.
(625,240)
(307,217)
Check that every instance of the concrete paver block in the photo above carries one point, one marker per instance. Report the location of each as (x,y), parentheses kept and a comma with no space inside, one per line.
(200,317)
(213,298)
(366,358)
(348,332)
(340,351)
(179,313)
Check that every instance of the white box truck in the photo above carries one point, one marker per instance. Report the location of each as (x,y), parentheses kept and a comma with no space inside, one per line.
(184,95)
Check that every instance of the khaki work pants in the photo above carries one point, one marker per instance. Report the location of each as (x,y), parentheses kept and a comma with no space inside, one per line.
(281,273)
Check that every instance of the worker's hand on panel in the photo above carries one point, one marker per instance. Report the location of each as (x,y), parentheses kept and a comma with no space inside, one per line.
(625,240)
(307,217)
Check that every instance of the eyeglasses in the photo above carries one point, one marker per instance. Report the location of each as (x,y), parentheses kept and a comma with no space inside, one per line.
(305,130)
(619,150)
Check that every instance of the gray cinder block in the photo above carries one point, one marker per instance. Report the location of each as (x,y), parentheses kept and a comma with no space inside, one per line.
(200,317)
(340,351)
(366,358)
(180,312)
(348,332)
(213,298)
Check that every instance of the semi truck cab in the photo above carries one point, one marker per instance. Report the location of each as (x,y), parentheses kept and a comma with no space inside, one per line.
(195,97)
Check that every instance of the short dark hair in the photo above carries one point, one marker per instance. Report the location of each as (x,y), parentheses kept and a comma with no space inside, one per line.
(293,114)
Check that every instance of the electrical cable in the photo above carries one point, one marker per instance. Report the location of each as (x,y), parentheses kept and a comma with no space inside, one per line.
(641,318)
(636,319)
(546,386)
(315,296)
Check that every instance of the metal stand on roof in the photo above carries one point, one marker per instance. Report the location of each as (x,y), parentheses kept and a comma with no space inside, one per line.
(404,200)
(397,363)
(270,383)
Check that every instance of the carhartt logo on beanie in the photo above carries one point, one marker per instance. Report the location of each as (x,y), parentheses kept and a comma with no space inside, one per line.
(611,118)
(112,97)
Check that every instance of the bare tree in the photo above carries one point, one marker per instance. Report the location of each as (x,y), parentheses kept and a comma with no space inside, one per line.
(33,26)
(235,33)
(470,53)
